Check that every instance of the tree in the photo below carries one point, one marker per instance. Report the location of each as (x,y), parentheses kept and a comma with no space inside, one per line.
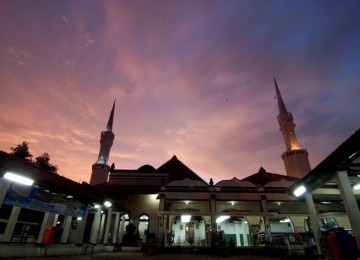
(43,162)
(22,151)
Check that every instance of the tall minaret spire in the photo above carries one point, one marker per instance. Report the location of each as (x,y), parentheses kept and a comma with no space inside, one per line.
(281,104)
(100,169)
(295,159)
(286,122)
(111,118)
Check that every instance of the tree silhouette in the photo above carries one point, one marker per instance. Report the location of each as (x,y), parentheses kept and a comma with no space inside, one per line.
(43,162)
(22,151)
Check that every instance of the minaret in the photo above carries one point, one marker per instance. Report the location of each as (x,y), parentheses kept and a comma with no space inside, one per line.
(100,169)
(295,159)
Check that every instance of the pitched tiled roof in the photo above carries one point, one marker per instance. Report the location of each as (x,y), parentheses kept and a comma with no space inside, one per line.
(234,182)
(178,171)
(262,177)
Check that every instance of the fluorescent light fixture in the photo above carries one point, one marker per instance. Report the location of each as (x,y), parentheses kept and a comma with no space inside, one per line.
(79,218)
(185,218)
(222,218)
(18,178)
(284,220)
(299,191)
(356,186)
(107,204)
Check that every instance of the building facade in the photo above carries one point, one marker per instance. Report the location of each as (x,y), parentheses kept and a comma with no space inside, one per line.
(175,207)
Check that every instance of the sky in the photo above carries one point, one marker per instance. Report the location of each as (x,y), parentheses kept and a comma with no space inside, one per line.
(190,78)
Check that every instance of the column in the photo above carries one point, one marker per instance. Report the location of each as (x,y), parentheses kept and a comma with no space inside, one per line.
(67,225)
(48,221)
(314,221)
(212,203)
(4,187)
(96,226)
(107,226)
(82,225)
(351,206)
(53,224)
(162,231)
(121,229)
(213,223)
(116,228)
(213,211)
(162,203)
(11,223)
(136,224)
(102,226)
(267,231)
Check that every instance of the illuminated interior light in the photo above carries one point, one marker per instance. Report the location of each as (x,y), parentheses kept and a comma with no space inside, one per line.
(187,202)
(107,204)
(79,218)
(69,197)
(356,186)
(96,206)
(232,203)
(222,218)
(185,218)
(299,191)
(284,220)
(18,178)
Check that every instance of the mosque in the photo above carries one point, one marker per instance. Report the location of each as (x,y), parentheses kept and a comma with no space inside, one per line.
(180,207)
(174,207)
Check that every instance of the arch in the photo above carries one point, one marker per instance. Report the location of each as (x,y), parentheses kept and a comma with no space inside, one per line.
(143,226)
(278,225)
(184,231)
(236,230)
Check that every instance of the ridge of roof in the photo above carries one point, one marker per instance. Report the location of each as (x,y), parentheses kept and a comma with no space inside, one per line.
(178,170)
(262,177)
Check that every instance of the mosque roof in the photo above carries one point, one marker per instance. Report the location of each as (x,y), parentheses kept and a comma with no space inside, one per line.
(188,183)
(178,171)
(235,182)
(262,177)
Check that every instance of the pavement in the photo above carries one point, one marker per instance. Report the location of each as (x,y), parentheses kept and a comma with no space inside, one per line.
(139,255)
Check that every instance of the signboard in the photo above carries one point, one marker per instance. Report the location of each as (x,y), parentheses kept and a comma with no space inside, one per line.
(34,198)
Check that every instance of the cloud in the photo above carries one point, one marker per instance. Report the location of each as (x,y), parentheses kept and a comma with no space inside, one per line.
(193,79)
(65,20)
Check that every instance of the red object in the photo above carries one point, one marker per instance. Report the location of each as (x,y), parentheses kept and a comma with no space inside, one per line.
(333,246)
(49,234)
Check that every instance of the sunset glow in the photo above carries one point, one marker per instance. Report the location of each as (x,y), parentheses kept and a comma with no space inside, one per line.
(190,78)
